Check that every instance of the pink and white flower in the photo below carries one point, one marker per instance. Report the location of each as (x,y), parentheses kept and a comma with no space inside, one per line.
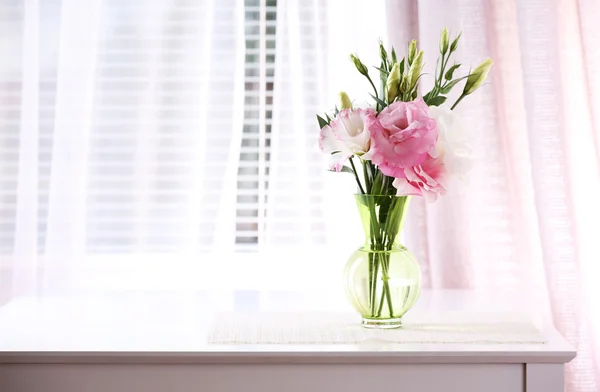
(450,157)
(429,179)
(405,137)
(347,135)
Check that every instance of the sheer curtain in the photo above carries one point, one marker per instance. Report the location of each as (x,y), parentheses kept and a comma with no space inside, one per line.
(120,135)
(156,145)
(161,144)
(306,205)
(525,221)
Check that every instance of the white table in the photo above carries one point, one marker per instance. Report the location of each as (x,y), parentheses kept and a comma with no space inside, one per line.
(154,342)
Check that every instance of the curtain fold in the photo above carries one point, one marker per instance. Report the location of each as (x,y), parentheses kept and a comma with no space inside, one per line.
(524,221)
(306,205)
(67,193)
(24,273)
(120,139)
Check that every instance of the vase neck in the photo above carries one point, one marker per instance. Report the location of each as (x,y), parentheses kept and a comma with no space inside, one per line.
(382,218)
(373,245)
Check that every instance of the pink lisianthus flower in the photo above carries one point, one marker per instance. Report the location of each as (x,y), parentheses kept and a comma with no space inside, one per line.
(347,135)
(406,135)
(429,179)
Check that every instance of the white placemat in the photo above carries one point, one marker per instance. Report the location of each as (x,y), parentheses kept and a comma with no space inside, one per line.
(327,328)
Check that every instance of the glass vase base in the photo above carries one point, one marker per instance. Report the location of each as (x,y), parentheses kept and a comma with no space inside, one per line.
(390,323)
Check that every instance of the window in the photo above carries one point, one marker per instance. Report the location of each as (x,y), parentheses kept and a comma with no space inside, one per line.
(260,27)
(157,153)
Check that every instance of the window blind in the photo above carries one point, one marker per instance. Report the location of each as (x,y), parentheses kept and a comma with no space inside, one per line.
(158,156)
(179,148)
(260,28)
(11,24)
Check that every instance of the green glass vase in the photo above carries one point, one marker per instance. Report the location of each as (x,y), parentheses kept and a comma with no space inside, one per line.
(382,279)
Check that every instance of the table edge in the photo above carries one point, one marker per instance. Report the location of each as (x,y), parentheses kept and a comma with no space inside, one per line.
(280,357)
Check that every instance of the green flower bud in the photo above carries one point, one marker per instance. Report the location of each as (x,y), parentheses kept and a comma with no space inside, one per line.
(359,65)
(454,44)
(444,41)
(412,51)
(477,77)
(393,83)
(405,83)
(345,102)
(415,69)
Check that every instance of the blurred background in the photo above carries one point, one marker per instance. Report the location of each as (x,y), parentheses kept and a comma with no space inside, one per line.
(172,145)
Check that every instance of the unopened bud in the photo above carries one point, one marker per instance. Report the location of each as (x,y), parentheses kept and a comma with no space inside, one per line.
(454,43)
(415,69)
(393,83)
(477,77)
(405,83)
(345,102)
(359,65)
(412,51)
(444,41)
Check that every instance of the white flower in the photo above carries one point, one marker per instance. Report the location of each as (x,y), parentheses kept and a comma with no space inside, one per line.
(452,142)
(347,135)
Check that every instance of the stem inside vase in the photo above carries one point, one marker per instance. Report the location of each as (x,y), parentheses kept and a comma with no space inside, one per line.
(382,217)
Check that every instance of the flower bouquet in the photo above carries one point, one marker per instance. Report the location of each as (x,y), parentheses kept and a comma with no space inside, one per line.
(403,145)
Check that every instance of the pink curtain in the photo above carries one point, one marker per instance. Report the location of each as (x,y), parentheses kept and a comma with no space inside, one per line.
(525,222)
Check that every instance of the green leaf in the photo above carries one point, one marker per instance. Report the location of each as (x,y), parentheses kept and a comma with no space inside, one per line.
(450,85)
(383,74)
(450,72)
(383,53)
(394,59)
(383,81)
(379,101)
(345,169)
(382,70)
(427,96)
(437,101)
(328,118)
(402,67)
(377,183)
(322,122)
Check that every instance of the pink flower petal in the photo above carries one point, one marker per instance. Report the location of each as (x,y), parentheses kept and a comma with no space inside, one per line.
(427,179)
(405,136)
(347,135)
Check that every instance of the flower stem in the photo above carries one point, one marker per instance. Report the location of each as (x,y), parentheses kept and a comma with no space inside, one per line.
(373,283)
(368,181)
(374,89)
(380,308)
(441,71)
(386,289)
(457,101)
(386,293)
(356,176)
